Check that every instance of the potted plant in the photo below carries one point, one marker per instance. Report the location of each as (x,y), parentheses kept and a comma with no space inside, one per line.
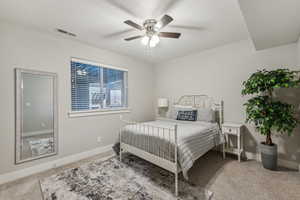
(268,114)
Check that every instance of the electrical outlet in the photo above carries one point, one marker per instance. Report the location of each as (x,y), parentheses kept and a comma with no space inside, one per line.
(99,139)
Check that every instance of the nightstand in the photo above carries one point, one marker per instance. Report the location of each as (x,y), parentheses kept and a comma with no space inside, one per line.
(233,129)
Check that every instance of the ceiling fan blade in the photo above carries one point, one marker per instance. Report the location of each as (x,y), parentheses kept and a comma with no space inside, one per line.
(164,21)
(133,38)
(133,24)
(169,34)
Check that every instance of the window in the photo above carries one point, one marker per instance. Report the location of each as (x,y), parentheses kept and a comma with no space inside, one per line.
(97,87)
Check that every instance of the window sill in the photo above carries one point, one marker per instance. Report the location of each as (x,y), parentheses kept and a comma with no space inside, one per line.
(98,112)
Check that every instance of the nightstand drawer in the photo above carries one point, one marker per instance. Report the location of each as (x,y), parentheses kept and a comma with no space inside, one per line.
(230,130)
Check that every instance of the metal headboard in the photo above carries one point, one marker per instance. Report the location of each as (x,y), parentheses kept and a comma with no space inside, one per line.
(203,101)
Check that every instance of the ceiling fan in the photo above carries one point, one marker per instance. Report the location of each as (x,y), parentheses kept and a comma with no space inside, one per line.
(152,27)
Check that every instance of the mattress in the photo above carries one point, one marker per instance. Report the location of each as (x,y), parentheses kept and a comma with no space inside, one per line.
(193,139)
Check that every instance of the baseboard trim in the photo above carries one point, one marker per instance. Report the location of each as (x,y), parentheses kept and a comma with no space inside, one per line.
(12,176)
(283,163)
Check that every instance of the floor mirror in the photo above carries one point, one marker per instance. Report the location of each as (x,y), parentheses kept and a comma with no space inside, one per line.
(36,115)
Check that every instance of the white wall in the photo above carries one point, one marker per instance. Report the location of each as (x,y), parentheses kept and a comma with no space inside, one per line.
(219,73)
(25,48)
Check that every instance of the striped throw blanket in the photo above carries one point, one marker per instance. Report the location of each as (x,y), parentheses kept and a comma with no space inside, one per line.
(194,139)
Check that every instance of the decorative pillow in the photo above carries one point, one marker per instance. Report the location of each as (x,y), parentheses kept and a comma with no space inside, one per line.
(187,115)
(206,115)
(176,108)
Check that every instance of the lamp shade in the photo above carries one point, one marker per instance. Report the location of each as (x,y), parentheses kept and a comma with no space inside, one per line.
(163,102)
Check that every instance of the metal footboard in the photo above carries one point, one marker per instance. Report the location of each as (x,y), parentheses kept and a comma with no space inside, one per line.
(157,145)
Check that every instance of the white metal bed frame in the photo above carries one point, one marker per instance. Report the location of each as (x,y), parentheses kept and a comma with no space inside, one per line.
(159,158)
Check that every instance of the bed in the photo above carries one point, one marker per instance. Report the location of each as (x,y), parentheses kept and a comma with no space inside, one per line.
(175,144)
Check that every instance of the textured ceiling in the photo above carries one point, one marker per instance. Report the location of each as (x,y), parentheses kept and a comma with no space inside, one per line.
(211,23)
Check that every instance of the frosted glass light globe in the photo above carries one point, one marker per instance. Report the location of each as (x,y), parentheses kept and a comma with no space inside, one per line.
(145,40)
(154,41)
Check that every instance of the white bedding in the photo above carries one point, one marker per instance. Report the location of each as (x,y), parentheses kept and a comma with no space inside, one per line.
(194,139)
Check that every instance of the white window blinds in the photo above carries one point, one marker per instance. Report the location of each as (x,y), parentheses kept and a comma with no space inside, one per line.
(95,87)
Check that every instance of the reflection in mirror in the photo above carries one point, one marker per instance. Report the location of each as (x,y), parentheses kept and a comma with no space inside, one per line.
(36,130)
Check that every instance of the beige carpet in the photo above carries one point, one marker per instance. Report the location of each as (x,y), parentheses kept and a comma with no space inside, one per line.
(228,180)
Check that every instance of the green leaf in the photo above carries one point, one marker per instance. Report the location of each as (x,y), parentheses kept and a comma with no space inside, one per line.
(262,110)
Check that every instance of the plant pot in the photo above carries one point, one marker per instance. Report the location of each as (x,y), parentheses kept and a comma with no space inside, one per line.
(268,156)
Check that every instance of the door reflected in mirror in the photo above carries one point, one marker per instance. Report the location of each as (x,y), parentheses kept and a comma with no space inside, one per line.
(36,131)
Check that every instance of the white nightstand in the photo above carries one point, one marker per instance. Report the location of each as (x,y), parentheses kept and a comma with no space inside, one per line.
(234,129)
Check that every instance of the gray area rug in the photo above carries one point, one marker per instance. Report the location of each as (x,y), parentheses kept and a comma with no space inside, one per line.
(133,179)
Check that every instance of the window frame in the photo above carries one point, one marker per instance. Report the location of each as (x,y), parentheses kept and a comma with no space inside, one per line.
(103,111)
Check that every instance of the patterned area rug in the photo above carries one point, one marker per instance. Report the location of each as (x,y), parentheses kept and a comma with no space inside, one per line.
(133,179)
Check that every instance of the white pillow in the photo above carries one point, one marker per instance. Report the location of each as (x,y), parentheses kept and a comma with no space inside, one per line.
(206,115)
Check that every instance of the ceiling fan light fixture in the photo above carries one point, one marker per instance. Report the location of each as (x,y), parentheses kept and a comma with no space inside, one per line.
(154,41)
(151,29)
(157,26)
(145,40)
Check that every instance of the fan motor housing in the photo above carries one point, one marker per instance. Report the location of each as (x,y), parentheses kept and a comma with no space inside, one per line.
(149,25)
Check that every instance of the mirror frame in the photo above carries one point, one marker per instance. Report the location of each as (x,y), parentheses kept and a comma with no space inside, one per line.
(19,113)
